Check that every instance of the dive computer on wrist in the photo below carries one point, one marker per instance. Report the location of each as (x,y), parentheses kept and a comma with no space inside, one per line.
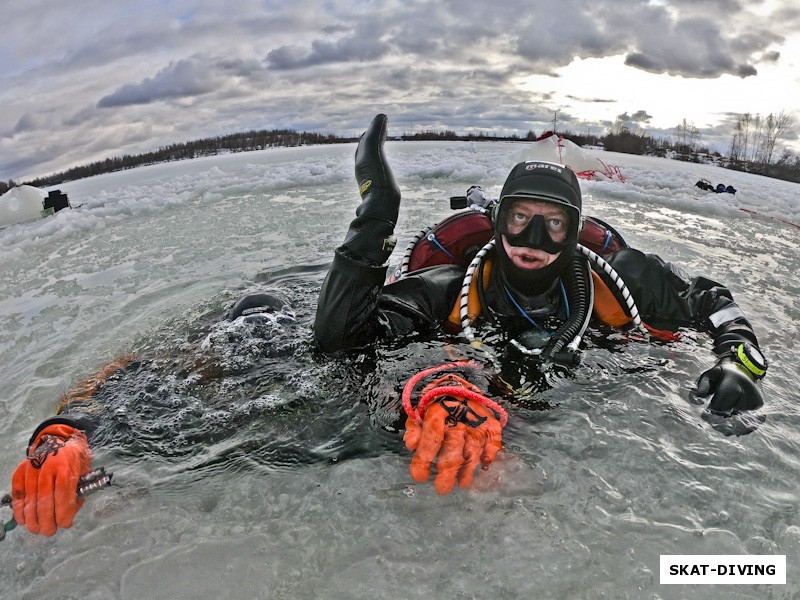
(751,358)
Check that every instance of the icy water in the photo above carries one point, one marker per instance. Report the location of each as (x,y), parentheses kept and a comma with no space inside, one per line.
(250,466)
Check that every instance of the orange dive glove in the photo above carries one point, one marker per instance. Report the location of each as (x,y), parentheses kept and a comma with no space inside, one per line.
(455,425)
(43,487)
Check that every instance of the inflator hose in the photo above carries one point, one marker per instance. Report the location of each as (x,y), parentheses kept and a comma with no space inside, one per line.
(580,309)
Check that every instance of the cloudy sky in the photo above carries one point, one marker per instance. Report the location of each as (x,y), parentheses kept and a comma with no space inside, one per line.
(82,80)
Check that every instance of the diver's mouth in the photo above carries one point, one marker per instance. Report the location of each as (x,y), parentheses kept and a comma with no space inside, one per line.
(523,260)
(527,258)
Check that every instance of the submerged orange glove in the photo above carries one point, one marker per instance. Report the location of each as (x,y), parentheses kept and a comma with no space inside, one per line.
(460,435)
(44,485)
(459,431)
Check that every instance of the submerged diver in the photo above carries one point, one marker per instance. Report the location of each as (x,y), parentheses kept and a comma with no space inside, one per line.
(536,292)
(259,328)
(538,285)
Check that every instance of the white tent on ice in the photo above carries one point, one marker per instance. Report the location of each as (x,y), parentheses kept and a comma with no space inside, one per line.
(25,202)
(587,164)
(21,203)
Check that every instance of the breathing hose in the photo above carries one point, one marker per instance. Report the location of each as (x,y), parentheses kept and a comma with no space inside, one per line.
(582,299)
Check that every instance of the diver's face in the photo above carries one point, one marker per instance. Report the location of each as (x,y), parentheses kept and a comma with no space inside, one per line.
(519,216)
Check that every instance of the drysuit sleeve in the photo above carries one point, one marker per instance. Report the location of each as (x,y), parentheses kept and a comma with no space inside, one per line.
(80,407)
(667,298)
(355,308)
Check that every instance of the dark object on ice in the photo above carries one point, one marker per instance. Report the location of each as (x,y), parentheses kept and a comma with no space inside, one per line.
(56,200)
(705,184)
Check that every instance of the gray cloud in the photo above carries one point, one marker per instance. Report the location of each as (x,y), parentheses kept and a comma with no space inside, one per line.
(693,47)
(187,77)
(591,100)
(638,118)
(126,83)
(362,44)
(28,122)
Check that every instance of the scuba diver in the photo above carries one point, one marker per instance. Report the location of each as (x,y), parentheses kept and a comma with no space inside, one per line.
(535,285)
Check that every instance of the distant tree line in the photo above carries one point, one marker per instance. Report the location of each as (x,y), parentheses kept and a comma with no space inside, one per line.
(754,147)
(754,144)
(449,135)
(629,140)
(235,142)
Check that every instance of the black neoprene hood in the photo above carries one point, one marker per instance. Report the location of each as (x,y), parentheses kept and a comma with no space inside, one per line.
(548,182)
(545,182)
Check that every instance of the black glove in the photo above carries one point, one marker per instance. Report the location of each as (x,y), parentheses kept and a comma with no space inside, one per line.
(733,391)
(371,234)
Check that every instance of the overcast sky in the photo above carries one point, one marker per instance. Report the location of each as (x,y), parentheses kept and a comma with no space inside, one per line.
(82,80)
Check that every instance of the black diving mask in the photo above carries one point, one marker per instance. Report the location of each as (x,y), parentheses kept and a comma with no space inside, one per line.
(536,233)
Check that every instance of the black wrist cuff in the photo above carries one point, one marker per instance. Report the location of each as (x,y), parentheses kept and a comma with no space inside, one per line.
(76,423)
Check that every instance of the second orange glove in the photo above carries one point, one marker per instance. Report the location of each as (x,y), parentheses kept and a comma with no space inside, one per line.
(43,487)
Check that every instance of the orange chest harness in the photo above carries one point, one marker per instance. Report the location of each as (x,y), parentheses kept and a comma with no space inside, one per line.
(605,306)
